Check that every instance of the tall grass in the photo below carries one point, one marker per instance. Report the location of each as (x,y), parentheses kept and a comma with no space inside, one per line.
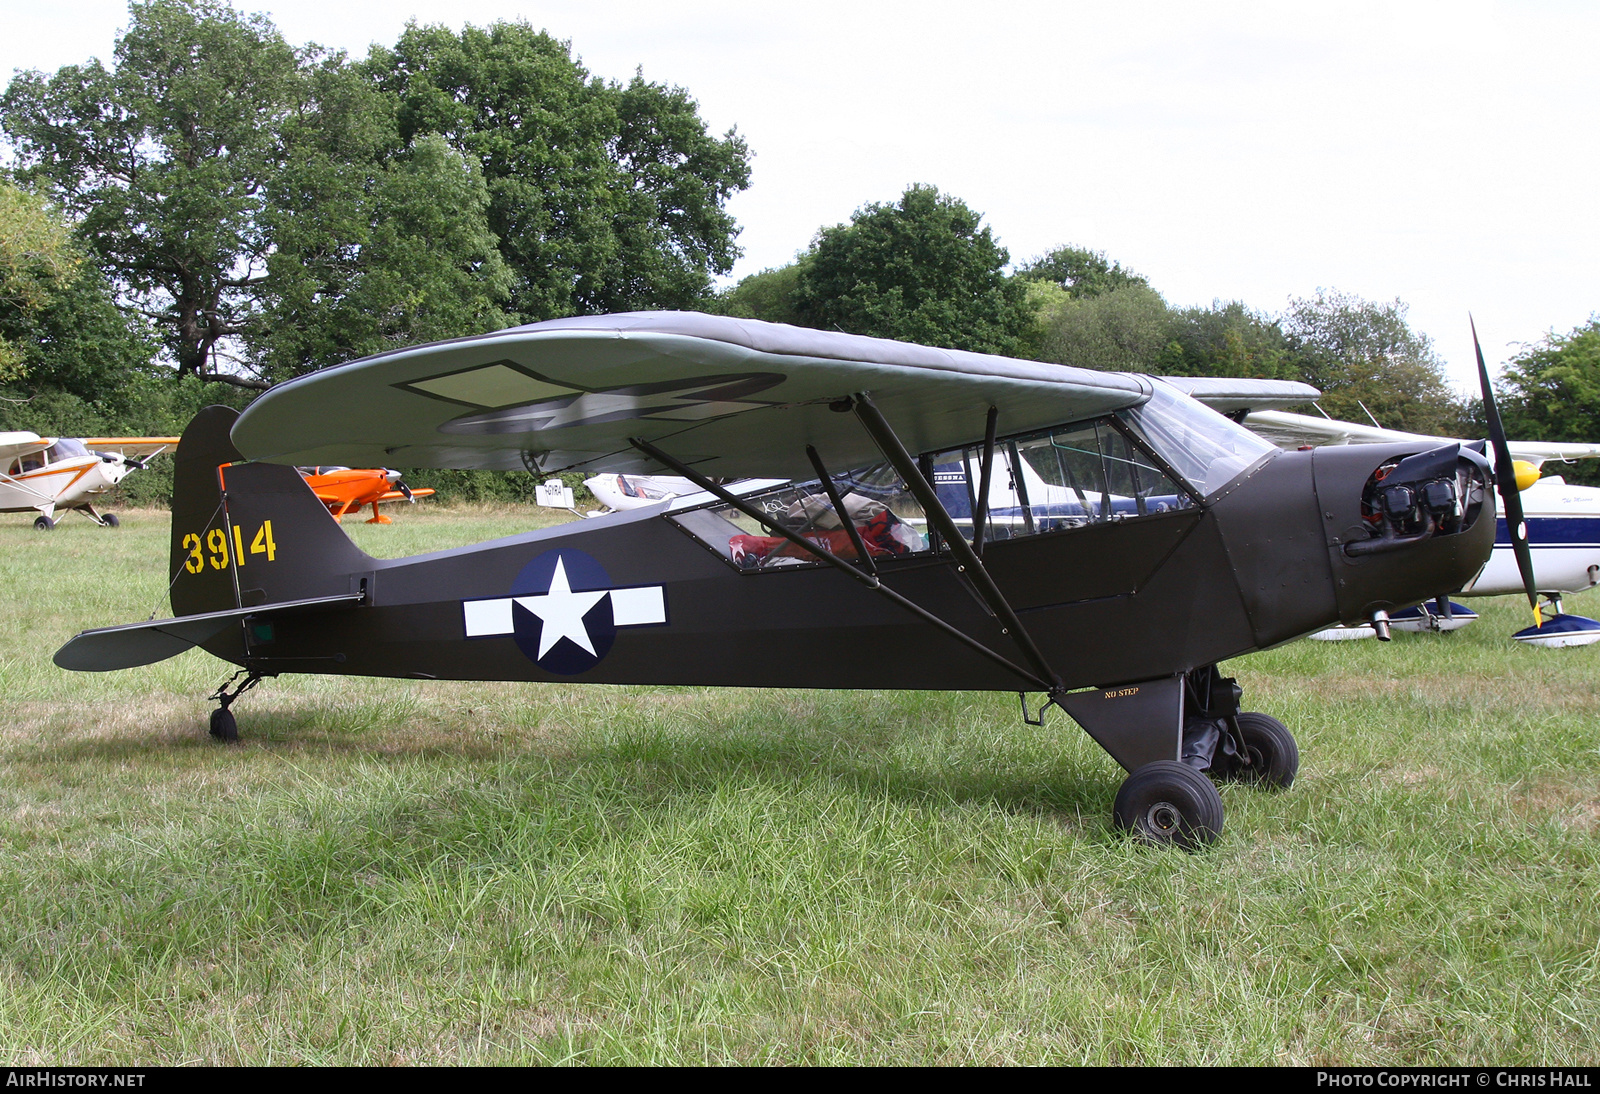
(424,872)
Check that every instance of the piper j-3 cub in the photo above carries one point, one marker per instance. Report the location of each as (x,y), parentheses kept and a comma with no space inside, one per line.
(1171,538)
(47,474)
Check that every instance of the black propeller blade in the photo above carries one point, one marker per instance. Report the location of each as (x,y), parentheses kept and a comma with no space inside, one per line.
(1506,482)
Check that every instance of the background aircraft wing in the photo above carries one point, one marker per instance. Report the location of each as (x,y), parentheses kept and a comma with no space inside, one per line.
(1293,430)
(736,398)
(19,442)
(1536,452)
(136,447)
(1230,396)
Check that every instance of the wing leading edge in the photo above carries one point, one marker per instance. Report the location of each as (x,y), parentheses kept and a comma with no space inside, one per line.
(734,397)
(1292,430)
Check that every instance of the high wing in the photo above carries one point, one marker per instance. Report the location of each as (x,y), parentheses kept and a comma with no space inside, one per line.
(735,398)
(1230,396)
(19,442)
(1294,430)
(135,447)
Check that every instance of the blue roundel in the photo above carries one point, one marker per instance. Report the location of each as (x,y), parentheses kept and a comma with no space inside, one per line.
(563,619)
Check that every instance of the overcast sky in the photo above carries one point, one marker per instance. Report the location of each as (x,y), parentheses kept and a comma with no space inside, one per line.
(1441,153)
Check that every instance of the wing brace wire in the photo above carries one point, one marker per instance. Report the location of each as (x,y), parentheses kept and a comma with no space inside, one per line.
(869,578)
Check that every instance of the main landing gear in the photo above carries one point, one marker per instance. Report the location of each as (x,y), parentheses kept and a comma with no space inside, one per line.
(1178,738)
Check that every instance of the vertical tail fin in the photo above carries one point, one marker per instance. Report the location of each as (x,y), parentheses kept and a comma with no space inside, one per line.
(248,533)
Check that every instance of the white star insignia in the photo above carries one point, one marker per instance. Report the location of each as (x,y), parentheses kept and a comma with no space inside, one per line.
(561,611)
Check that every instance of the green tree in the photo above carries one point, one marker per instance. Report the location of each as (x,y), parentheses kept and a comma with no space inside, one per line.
(605,197)
(165,161)
(1226,339)
(768,296)
(58,325)
(1080,272)
(1121,330)
(406,257)
(1364,354)
(923,269)
(1551,390)
(37,260)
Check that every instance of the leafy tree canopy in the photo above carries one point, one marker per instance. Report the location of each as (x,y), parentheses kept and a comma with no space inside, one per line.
(1122,330)
(768,296)
(166,161)
(280,209)
(1080,272)
(604,196)
(1363,354)
(1551,390)
(1226,339)
(58,324)
(922,269)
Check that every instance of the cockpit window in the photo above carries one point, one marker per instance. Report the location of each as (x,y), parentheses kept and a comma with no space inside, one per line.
(885,515)
(65,449)
(1093,472)
(1207,449)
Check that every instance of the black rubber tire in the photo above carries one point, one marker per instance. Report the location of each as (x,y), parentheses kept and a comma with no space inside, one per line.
(1171,804)
(43,524)
(1274,756)
(109,520)
(223,725)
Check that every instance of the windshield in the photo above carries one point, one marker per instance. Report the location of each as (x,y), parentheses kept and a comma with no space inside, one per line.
(1205,448)
(66,448)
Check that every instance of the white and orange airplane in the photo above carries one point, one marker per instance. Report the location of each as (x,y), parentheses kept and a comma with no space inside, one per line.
(48,474)
(342,489)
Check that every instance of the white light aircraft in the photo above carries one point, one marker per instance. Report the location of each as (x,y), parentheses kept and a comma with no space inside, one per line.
(49,474)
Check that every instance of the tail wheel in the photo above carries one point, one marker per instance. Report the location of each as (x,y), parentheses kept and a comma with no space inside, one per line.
(1170,804)
(1274,756)
(223,725)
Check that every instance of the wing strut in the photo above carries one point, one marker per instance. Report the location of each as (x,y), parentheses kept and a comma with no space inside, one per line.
(980,508)
(967,560)
(839,511)
(870,580)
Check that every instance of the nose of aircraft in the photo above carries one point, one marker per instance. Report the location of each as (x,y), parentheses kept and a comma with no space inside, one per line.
(1402,526)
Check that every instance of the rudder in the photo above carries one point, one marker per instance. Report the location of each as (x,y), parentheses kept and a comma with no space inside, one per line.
(245,534)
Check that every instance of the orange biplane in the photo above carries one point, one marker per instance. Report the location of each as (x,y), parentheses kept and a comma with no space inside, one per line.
(342,489)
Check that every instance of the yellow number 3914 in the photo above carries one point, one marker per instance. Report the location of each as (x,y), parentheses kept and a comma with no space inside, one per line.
(215,548)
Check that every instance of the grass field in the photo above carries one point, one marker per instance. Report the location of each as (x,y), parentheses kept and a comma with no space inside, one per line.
(415,872)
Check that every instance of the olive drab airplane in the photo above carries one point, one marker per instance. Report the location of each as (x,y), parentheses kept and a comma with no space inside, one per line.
(1563,523)
(48,474)
(1157,539)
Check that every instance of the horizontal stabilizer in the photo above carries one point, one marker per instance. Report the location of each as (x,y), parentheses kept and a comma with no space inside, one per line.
(135,644)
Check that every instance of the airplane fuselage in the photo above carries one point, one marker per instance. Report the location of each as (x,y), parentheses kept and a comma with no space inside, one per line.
(639,597)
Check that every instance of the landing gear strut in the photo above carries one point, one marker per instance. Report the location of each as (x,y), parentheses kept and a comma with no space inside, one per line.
(223,725)
(1169,735)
